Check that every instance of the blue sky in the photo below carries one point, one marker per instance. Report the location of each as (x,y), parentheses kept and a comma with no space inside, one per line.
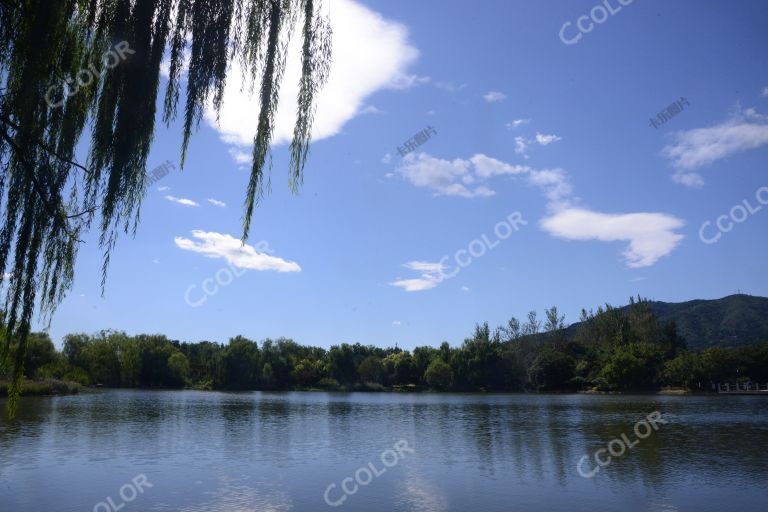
(559,133)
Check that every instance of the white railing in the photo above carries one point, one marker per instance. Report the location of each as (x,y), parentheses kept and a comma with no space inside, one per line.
(742,387)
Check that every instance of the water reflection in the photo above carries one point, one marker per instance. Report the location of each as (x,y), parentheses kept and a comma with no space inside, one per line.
(280,451)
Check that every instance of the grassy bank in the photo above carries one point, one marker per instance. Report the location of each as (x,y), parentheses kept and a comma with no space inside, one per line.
(43,387)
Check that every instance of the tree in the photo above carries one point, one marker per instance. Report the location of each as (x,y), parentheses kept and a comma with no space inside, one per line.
(554,322)
(179,368)
(240,364)
(551,370)
(40,352)
(371,370)
(439,374)
(512,331)
(683,370)
(109,52)
(341,363)
(306,372)
(400,368)
(632,367)
(533,325)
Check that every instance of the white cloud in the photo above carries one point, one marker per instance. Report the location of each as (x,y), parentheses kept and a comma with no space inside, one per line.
(432,274)
(459,177)
(182,201)
(494,96)
(699,147)
(386,159)
(517,122)
(465,288)
(764,92)
(163,188)
(403,81)
(544,140)
(370,53)
(240,157)
(486,167)
(442,176)
(650,235)
(450,87)
(371,109)
(221,245)
(555,185)
(689,179)
(397,323)
(216,202)
(520,145)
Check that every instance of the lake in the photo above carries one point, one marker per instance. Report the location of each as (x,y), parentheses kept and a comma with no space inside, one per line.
(235,452)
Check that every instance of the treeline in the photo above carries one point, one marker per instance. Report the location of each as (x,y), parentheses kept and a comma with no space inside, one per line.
(612,349)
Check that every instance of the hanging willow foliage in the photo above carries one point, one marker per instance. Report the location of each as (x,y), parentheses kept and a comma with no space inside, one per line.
(109,53)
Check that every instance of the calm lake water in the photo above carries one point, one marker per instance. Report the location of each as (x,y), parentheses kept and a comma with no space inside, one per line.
(264,452)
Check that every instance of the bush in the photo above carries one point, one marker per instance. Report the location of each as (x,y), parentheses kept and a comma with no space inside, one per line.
(43,387)
(552,371)
(328,383)
(439,374)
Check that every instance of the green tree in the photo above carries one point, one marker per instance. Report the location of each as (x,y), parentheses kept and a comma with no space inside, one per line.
(551,370)
(683,370)
(439,375)
(40,352)
(341,363)
(240,363)
(307,372)
(50,199)
(179,368)
(371,370)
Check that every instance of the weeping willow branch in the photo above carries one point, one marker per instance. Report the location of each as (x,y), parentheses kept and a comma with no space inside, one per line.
(47,198)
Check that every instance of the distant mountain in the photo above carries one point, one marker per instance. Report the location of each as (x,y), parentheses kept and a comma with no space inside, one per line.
(732,321)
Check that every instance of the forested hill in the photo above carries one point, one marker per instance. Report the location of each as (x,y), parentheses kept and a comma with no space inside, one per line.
(733,321)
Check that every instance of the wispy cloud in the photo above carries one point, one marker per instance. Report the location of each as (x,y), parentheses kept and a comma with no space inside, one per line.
(216,202)
(494,96)
(431,275)
(181,200)
(699,147)
(544,140)
(450,87)
(764,92)
(221,245)
(240,156)
(520,145)
(405,81)
(556,187)
(163,188)
(371,109)
(650,235)
(517,122)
